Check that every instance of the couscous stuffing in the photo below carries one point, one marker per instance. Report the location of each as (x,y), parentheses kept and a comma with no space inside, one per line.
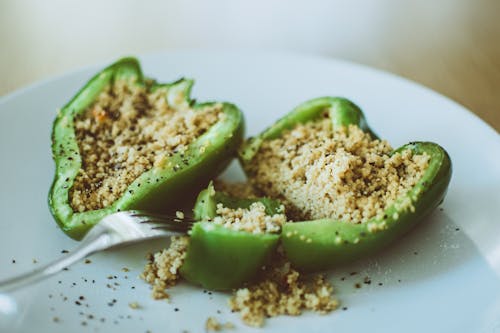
(341,174)
(128,131)
(252,219)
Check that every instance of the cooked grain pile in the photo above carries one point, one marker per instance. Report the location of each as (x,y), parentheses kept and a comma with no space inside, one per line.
(126,132)
(162,269)
(282,291)
(342,174)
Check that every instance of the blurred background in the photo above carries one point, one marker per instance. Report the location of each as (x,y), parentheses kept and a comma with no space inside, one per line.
(451,46)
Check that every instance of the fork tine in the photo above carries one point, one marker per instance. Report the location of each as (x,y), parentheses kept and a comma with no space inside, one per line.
(162,221)
(158,221)
(167,223)
(182,229)
(160,217)
(173,226)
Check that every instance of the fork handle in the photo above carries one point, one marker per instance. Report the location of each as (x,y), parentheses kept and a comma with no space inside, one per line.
(88,246)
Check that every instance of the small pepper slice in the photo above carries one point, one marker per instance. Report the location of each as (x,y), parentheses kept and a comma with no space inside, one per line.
(219,258)
(322,244)
(159,188)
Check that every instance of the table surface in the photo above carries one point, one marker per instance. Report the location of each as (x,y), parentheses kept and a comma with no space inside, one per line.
(450,46)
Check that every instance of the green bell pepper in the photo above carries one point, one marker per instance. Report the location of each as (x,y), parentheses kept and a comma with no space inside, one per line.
(322,244)
(158,188)
(220,258)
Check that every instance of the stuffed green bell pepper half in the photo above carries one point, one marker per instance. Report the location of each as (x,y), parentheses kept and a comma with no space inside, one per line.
(348,193)
(233,240)
(127,142)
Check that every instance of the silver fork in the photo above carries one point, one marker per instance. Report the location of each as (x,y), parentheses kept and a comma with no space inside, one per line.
(120,228)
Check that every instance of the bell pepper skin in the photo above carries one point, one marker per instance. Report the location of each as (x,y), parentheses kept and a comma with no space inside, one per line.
(219,258)
(325,243)
(158,189)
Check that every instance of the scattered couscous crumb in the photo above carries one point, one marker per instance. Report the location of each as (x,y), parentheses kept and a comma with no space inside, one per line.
(134,305)
(282,291)
(179,215)
(342,174)
(253,219)
(212,324)
(162,269)
(127,131)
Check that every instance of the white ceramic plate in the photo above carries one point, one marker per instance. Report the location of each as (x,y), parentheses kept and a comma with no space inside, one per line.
(442,277)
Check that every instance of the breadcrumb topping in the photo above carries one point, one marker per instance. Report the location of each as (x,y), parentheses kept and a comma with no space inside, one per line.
(253,219)
(127,131)
(162,269)
(342,174)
